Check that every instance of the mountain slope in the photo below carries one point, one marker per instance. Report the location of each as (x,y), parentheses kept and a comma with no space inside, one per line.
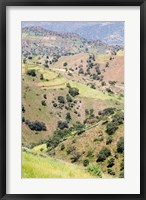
(36,166)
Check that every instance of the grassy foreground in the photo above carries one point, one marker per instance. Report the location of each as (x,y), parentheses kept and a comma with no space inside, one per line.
(35,166)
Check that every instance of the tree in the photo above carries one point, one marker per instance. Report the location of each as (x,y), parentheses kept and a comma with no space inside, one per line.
(44,103)
(73,91)
(111,162)
(111,127)
(36,125)
(41,77)
(81,71)
(65,64)
(62,124)
(61,99)
(31,72)
(68,98)
(120,145)
(103,154)
(109,139)
(68,117)
(85,162)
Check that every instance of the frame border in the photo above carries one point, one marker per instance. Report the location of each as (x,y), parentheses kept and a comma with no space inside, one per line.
(3,6)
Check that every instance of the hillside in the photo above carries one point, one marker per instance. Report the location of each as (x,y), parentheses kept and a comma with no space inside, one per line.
(36,166)
(72,103)
(109,32)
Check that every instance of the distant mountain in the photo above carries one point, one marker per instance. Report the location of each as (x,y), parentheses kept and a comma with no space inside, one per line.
(111,33)
(38,40)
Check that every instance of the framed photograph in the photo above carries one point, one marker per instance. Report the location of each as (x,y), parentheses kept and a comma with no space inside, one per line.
(72,99)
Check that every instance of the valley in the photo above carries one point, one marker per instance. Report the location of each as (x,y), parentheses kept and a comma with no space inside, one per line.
(72,106)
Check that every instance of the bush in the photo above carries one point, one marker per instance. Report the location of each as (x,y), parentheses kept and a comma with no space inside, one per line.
(55,104)
(103,154)
(45,96)
(81,71)
(41,77)
(101,157)
(62,147)
(73,91)
(121,174)
(36,125)
(107,111)
(86,111)
(90,154)
(120,145)
(106,151)
(23,109)
(109,140)
(61,99)
(68,117)
(93,86)
(98,70)
(23,119)
(31,72)
(70,149)
(111,127)
(57,137)
(75,157)
(118,118)
(43,103)
(78,127)
(62,124)
(111,162)
(95,170)
(65,64)
(68,98)
(111,172)
(122,165)
(85,162)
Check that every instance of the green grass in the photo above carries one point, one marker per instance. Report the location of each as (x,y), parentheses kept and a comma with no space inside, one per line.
(40,148)
(86,91)
(35,166)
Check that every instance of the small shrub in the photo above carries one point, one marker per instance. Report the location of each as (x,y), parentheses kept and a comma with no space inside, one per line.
(68,98)
(55,105)
(75,157)
(68,117)
(73,91)
(108,139)
(121,174)
(23,109)
(111,172)
(23,119)
(111,127)
(43,103)
(120,145)
(65,64)
(41,77)
(61,99)
(111,162)
(70,149)
(90,154)
(62,124)
(103,154)
(45,96)
(122,165)
(106,151)
(62,147)
(85,162)
(31,72)
(101,157)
